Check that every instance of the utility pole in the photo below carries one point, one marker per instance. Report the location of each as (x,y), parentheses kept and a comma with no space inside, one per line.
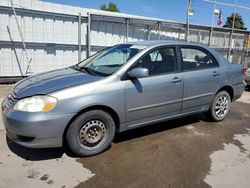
(88,41)
(79,37)
(187,19)
(232,31)
(212,26)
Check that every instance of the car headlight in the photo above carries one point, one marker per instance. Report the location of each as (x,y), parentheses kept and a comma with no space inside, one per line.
(42,103)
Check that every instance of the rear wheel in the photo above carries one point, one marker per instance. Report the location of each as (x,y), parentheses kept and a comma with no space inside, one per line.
(91,133)
(219,107)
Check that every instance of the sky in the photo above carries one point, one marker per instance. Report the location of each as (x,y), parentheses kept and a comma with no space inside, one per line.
(174,10)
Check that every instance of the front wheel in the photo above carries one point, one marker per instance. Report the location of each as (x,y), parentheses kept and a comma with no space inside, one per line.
(91,133)
(219,107)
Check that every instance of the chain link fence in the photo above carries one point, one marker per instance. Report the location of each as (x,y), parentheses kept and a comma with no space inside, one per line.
(130,29)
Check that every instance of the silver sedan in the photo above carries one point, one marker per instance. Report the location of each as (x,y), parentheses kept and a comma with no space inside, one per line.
(120,88)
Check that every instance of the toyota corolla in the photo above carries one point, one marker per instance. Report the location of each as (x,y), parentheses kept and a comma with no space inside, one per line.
(120,88)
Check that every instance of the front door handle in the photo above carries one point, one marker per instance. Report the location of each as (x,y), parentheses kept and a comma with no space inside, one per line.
(176,80)
(215,74)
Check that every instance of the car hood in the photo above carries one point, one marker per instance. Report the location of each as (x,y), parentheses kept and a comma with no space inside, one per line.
(52,81)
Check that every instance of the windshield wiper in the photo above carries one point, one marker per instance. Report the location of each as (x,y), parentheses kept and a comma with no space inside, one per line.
(86,69)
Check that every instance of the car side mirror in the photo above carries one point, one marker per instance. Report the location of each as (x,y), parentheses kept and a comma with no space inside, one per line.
(138,73)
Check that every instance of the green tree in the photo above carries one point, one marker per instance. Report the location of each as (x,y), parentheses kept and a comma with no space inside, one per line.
(111,7)
(103,7)
(238,24)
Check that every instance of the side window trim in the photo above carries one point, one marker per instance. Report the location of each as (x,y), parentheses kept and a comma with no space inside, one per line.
(179,47)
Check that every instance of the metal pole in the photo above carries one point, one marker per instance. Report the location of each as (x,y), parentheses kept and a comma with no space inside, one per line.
(199,36)
(224,43)
(23,42)
(88,35)
(127,29)
(212,25)
(79,37)
(159,30)
(232,31)
(187,20)
(148,32)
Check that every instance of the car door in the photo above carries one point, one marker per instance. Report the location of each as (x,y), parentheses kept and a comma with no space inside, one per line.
(201,74)
(159,95)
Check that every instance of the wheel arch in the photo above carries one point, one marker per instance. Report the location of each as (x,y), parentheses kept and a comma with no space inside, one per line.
(107,109)
(228,89)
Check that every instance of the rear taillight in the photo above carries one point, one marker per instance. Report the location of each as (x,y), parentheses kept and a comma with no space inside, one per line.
(243,71)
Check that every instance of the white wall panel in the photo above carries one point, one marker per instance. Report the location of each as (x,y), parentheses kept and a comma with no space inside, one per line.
(50,61)
(1,62)
(68,34)
(38,29)
(49,30)
(5,2)
(14,32)
(74,59)
(83,55)
(6,61)
(68,57)
(59,59)
(59,31)
(28,29)
(83,33)
(4,20)
(17,58)
(52,40)
(74,33)
(38,61)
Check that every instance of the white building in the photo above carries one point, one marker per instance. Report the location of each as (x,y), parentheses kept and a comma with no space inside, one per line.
(51,34)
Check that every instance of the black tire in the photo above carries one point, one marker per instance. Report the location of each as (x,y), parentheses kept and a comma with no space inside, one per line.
(82,134)
(213,112)
(247,88)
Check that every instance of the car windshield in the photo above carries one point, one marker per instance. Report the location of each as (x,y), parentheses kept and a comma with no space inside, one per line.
(107,61)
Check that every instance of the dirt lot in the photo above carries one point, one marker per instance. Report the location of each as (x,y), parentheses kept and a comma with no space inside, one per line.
(189,152)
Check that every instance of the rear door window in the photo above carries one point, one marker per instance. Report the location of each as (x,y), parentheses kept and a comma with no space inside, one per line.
(195,59)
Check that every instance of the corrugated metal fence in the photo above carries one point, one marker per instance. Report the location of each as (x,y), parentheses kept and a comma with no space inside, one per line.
(58,36)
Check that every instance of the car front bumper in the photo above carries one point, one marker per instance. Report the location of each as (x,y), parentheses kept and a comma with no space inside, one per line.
(35,130)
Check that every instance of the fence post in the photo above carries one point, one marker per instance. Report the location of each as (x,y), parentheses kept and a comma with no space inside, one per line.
(179,33)
(210,37)
(225,36)
(199,36)
(230,46)
(187,21)
(88,41)
(159,30)
(79,37)
(243,57)
(127,29)
(148,32)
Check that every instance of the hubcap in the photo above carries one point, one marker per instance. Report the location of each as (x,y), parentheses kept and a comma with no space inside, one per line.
(92,133)
(221,106)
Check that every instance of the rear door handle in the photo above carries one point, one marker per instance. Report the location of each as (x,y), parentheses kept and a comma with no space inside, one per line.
(215,74)
(176,80)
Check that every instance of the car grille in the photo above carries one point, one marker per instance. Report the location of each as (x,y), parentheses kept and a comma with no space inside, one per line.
(11,99)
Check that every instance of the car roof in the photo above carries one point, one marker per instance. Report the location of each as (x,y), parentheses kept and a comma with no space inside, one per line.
(164,42)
